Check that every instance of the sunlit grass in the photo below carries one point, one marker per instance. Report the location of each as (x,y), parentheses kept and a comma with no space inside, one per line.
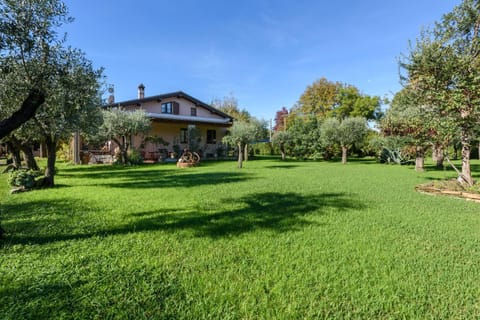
(275,240)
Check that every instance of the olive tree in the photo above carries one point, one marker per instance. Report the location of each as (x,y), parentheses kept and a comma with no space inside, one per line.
(28,39)
(241,134)
(346,133)
(120,126)
(444,69)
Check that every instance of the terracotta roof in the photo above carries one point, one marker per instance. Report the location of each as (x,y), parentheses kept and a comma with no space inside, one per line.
(160,97)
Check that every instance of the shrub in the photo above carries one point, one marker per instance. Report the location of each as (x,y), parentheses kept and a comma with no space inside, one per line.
(135,157)
(23,178)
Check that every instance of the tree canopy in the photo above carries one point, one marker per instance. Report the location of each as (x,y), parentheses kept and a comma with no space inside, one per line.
(443,69)
(326,99)
(28,42)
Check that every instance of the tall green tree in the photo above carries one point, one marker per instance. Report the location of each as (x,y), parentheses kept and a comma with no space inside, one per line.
(444,69)
(229,105)
(326,99)
(28,37)
(72,104)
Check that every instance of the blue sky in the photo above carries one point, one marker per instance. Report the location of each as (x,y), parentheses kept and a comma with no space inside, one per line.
(264,52)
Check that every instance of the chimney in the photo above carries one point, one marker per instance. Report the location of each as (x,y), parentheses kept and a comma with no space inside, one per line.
(141,91)
(111,97)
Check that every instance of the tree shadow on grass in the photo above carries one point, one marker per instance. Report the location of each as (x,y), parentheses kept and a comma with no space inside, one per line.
(278,212)
(119,293)
(271,211)
(161,178)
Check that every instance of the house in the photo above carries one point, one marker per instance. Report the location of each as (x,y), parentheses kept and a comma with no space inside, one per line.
(175,116)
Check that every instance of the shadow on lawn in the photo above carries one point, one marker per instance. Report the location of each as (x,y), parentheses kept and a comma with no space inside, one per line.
(131,178)
(278,212)
(115,295)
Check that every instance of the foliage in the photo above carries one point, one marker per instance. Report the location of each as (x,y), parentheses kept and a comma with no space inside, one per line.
(194,138)
(280,120)
(121,125)
(229,105)
(134,157)
(394,156)
(282,140)
(23,178)
(443,68)
(240,134)
(305,139)
(212,243)
(346,133)
(28,53)
(63,151)
(326,99)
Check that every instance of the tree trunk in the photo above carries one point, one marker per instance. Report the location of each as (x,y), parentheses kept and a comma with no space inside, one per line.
(438,156)
(466,176)
(240,155)
(344,154)
(51,144)
(282,151)
(29,106)
(29,157)
(15,152)
(419,159)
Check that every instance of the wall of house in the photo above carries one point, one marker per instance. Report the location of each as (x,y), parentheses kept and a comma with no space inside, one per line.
(170,132)
(185,108)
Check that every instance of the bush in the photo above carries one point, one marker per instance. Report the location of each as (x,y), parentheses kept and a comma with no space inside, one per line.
(23,178)
(135,157)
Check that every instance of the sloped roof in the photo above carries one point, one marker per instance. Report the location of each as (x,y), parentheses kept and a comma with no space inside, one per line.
(160,97)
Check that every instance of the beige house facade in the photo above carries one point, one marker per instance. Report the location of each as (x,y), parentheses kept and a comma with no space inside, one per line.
(175,117)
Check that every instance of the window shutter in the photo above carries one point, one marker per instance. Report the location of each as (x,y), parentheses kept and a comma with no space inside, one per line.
(176,108)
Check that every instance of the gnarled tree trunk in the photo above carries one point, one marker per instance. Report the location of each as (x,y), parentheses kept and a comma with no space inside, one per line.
(29,106)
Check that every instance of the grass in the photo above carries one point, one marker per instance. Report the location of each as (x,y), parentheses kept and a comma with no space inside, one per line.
(275,240)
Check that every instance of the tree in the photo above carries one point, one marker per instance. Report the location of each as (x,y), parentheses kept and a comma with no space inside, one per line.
(444,68)
(346,133)
(72,104)
(120,126)
(405,118)
(282,139)
(305,137)
(326,99)
(27,37)
(241,134)
(281,120)
(229,105)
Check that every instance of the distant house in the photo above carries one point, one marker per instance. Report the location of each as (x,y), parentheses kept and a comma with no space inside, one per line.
(174,115)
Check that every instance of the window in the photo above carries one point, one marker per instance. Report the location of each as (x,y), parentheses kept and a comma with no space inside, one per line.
(171,107)
(193,112)
(183,135)
(211,136)
(167,107)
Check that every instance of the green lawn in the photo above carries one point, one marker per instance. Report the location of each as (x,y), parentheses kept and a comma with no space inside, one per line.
(275,240)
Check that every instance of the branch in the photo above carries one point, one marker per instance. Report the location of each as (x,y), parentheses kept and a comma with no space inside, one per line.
(29,106)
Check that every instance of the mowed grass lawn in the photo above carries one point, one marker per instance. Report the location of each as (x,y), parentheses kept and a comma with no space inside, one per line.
(275,240)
